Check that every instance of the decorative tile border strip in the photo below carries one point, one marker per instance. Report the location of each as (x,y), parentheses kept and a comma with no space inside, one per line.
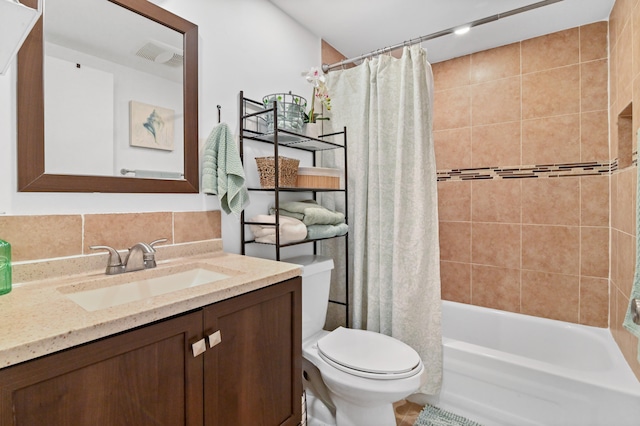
(536,171)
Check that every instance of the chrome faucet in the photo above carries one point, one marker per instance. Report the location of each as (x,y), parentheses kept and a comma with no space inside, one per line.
(140,256)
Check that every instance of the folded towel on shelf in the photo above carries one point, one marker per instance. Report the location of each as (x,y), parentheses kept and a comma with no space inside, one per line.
(316,232)
(310,213)
(222,171)
(291,230)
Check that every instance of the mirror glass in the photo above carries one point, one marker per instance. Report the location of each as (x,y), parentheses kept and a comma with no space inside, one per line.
(112,91)
(118,99)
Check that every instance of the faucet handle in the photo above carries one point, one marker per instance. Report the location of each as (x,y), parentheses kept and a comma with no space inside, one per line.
(153,243)
(114,263)
(150,256)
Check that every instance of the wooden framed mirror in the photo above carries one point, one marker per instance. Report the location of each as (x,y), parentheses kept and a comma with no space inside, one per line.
(33,173)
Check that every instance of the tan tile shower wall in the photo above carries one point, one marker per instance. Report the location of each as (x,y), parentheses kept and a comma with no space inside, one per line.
(53,236)
(521,139)
(624,86)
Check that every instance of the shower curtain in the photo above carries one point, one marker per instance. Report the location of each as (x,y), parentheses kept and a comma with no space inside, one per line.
(386,104)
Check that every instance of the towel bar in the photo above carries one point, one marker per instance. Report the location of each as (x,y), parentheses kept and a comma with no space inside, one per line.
(153,174)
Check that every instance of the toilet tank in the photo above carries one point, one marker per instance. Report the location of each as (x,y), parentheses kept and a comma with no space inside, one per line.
(316,281)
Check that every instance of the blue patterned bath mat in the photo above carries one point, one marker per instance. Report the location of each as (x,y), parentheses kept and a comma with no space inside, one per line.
(434,416)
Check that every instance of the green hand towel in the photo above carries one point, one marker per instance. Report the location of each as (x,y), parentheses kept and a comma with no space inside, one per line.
(222,171)
(316,232)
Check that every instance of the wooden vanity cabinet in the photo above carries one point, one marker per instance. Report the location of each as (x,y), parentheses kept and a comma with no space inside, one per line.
(149,376)
(255,378)
(144,376)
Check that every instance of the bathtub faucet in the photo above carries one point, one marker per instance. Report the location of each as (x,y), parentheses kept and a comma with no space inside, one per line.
(635,310)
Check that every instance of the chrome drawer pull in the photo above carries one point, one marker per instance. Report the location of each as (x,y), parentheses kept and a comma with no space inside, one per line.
(199,347)
(215,338)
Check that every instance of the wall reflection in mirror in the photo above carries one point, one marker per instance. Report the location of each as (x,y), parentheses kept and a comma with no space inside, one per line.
(113,92)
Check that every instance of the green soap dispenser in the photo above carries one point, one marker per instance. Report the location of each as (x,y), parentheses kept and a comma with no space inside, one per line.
(5,267)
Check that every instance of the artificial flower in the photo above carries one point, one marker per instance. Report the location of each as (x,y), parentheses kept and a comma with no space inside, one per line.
(320,91)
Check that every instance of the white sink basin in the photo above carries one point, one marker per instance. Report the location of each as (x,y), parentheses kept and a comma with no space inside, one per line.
(100,298)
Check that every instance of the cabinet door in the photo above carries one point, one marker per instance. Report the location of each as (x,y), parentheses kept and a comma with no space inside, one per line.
(147,376)
(253,376)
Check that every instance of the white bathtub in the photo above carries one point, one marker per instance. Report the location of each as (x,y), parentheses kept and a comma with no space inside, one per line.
(510,369)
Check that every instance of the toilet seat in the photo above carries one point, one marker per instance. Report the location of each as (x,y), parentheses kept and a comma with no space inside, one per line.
(368,354)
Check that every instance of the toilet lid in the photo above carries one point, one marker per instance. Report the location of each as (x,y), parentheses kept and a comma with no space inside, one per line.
(368,354)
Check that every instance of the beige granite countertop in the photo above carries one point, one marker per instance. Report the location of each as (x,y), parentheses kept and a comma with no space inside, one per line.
(36,318)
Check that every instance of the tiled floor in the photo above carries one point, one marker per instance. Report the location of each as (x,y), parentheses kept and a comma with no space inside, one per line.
(406,412)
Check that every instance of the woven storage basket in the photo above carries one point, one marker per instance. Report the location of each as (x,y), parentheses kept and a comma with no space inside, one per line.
(288,168)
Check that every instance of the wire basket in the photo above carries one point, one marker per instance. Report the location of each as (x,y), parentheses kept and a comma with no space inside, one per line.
(291,110)
(287,167)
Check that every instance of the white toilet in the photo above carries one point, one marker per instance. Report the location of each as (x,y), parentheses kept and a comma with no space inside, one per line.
(351,377)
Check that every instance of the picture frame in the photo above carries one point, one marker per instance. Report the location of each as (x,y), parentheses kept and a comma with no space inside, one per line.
(151,126)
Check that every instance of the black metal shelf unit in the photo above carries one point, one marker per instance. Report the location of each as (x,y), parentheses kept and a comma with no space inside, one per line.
(251,114)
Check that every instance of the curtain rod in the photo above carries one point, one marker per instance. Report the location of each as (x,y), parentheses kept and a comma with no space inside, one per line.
(326,67)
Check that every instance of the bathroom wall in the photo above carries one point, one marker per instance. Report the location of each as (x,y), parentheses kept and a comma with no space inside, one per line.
(38,237)
(537,209)
(521,140)
(624,103)
(245,45)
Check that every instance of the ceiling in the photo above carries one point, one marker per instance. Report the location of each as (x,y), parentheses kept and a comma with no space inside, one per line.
(356,27)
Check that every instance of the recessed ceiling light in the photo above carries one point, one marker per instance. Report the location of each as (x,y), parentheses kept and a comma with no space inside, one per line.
(462,30)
